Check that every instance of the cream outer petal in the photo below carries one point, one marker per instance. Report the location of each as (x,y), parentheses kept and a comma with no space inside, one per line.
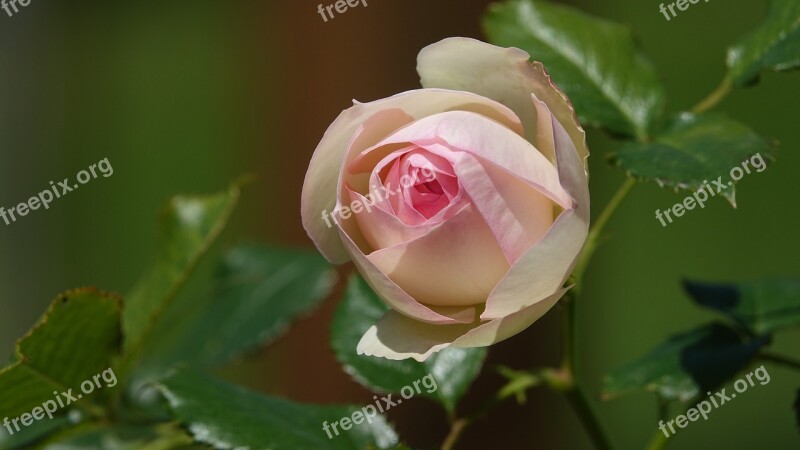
(397,298)
(397,337)
(321,187)
(457,263)
(502,74)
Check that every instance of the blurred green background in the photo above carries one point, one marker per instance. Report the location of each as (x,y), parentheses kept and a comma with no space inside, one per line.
(183,96)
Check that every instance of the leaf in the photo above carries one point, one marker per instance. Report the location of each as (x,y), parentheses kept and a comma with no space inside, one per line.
(694,150)
(773,46)
(230,417)
(189,226)
(75,340)
(593,60)
(761,307)
(28,436)
(119,437)
(259,291)
(797,408)
(686,365)
(453,369)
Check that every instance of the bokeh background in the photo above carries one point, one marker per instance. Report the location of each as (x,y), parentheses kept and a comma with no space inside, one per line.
(184,96)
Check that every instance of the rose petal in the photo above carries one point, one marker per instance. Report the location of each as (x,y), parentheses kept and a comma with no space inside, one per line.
(546,266)
(379,125)
(400,205)
(545,141)
(321,186)
(518,215)
(397,298)
(382,228)
(502,74)
(397,337)
(457,263)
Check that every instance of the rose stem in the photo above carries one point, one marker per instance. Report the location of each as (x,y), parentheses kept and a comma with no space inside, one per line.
(714,98)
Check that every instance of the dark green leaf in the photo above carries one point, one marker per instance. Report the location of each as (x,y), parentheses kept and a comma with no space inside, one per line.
(166,436)
(75,340)
(453,369)
(260,290)
(593,60)
(189,226)
(694,150)
(27,437)
(760,306)
(229,417)
(797,408)
(773,46)
(686,365)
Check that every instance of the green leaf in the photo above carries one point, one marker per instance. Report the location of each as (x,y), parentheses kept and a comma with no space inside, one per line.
(259,291)
(166,436)
(695,149)
(593,60)
(797,408)
(453,369)
(761,307)
(189,226)
(75,340)
(773,46)
(27,437)
(686,365)
(230,417)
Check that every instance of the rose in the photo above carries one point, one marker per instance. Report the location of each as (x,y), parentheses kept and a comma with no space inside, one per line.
(477,242)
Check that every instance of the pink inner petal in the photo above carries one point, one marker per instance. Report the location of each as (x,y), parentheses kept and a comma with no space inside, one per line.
(416,185)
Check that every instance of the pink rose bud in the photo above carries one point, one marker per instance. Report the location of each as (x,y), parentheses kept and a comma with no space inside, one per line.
(464,204)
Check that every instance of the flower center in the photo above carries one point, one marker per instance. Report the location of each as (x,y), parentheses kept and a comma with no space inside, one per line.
(425,185)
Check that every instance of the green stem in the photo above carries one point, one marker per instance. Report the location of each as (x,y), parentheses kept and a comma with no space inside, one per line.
(597,229)
(456,429)
(592,241)
(567,375)
(659,439)
(658,442)
(564,382)
(569,334)
(589,417)
(780,359)
(714,98)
